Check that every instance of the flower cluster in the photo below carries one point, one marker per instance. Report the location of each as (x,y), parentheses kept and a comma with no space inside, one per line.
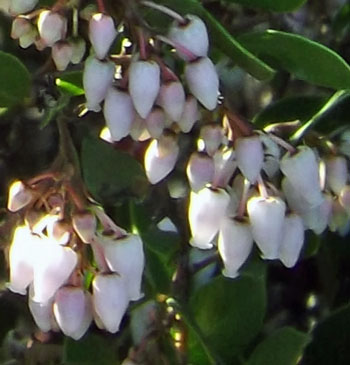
(49,254)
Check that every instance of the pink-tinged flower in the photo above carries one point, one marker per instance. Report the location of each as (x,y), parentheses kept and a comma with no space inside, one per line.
(336,173)
(249,156)
(144,85)
(203,81)
(84,225)
(41,312)
(267,221)
(97,79)
(160,158)
(192,36)
(234,244)
(101,33)
(119,113)
(62,53)
(212,136)
(302,172)
(125,256)
(292,240)
(172,99)
(155,122)
(52,27)
(225,165)
(20,26)
(19,196)
(21,6)
(190,114)
(206,210)
(110,301)
(79,48)
(73,311)
(200,170)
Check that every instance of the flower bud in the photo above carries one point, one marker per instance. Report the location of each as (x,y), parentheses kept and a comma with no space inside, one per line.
(206,210)
(172,99)
(84,225)
(155,122)
(101,33)
(41,312)
(110,300)
(125,256)
(192,36)
(139,130)
(249,156)
(292,240)
(119,113)
(62,53)
(19,196)
(336,173)
(20,26)
(302,171)
(52,27)
(79,48)
(144,84)
(267,219)
(212,135)
(27,39)
(203,81)
(21,6)
(225,166)
(190,114)
(200,170)
(97,78)
(160,158)
(73,311)
(234,244)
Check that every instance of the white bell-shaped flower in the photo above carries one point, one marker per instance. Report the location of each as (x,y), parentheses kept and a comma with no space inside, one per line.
(97,79)
(192,36)
(200,170)
(267,220)
(302,171)
(59,231)
(160,158)
(212,136)
(336,173)
(84,225)
(27,39)
(110,300)
(125,256)
(21,6)
(73,311)
(249,156)
(235,243)
(62,53)
(190,114)
(203,81)
(119,113)
(155,122)
(206,210)
(101,33)
(172,99)
(53,266)
(294,198)
(41,312)
(144,85)
(19,196)
(79,48)
(52,27)
(225,165)
(292,240)
(272,155)
(20,26)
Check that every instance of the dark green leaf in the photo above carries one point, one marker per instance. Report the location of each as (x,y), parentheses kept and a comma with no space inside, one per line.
(341,21)
(71,83)
(272,5)
(53,111)
(330,343)
(14,80)
(305,59)
(283,347)
(108,172)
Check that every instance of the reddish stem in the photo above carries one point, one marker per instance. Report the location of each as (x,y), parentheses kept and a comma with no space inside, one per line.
(101,6)
(142,45)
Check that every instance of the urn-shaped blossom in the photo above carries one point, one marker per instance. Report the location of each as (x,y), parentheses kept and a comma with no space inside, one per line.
(200,170)
(267,221)
(101,33)
(20,26)
(52,27)
(119,113)
(41,312)
(225,165)
(62,53)
(212,136)
(155,122)
(206,210)
(19,196)
(79,48)
(22,6)
(190,114)
(172,99)
(336,173)
(110,300)
(203,81)
(144,84)
(84,225)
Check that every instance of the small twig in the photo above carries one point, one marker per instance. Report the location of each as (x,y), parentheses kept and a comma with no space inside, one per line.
(262,188)
(101,6)
(243,201)
(173,14)
(287,146)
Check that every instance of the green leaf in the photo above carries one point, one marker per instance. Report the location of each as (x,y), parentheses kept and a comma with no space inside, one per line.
(330,343)
(223,40)
(230,313)
(110,173)
(283,347)
(71,83)
(272,5)
(15,80)
(305,59)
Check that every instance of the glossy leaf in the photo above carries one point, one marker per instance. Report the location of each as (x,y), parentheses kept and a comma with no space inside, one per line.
(272,5)
(15,80)
(283,347)
(304,59)
(71,83)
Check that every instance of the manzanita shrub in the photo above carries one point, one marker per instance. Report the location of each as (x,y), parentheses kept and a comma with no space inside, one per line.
(175,182)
